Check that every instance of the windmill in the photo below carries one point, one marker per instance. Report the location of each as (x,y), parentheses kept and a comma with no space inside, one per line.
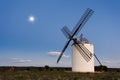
(82,50)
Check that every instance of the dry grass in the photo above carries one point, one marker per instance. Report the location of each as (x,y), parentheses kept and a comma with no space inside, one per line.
(58,75)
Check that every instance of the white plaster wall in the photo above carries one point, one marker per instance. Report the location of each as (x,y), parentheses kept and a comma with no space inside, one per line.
(79,64)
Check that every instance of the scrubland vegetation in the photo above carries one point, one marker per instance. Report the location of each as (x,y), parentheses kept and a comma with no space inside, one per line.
(57,75)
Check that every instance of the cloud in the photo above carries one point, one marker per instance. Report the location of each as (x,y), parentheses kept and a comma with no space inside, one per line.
(18,60)
(55,53)
(106,62)
(111,63)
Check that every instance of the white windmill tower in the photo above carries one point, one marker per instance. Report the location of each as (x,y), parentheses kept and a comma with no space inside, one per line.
(83,53)
(82,56)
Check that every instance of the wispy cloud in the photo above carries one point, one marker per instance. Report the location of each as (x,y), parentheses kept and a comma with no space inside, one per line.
(106,62)
(111,63)
(55,53)
(18,60)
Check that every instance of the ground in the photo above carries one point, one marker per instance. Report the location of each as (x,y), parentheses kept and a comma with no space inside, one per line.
(58,75)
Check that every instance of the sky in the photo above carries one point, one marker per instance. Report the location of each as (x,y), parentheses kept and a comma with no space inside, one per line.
(30,31)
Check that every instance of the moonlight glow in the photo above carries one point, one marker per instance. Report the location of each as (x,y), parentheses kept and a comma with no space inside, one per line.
(31,18)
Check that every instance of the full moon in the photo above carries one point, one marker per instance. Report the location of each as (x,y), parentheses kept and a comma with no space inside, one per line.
(31,18)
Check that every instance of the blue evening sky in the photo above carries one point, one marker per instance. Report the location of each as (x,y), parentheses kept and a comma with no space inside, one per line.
(25,43)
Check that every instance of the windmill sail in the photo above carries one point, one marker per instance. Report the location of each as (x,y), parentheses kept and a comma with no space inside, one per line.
(66,45)
(82,49)
(66,32)
(87,51)
(82,52)
(78,27)
(88,13)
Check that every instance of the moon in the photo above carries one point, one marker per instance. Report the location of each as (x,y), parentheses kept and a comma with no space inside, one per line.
(31,19)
